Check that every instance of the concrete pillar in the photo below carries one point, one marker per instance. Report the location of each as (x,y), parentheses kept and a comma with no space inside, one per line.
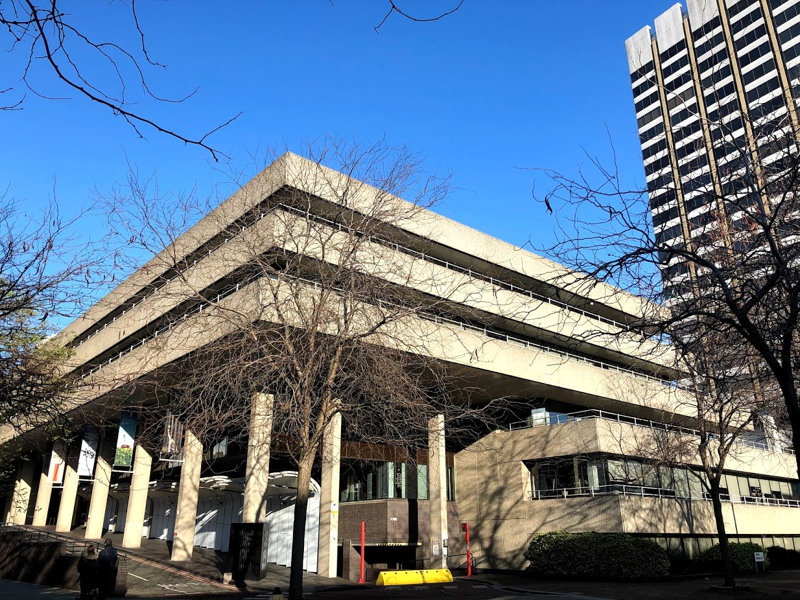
(21,497)
(69,493)
(43,495)
(329,498)
(257,469)
(437,484)
(137,498)
(99,499)
(186,516)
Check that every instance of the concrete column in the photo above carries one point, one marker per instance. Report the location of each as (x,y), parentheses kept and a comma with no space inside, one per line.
(437,484)
(186,516)
(137,498)
(21,497)
(257,469)
(99,499)
(69,493)
(329,498)
(43,495)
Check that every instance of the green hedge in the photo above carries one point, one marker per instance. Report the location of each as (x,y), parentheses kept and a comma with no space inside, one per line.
(593,555)
(741,556)
(781,558)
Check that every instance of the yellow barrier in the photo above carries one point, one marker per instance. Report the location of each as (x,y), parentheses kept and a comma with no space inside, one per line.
(411,577)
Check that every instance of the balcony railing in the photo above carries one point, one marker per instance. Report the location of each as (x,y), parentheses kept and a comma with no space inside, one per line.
(99,327)
(605,490)
(557,419)
(615,489)
(558,355)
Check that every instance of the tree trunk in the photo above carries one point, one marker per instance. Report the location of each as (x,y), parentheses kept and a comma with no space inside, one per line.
(299,528)
(796,442)
(789,392)
(722,536)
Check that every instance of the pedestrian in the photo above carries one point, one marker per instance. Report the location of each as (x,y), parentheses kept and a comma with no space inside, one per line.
(107,563)
(88,572)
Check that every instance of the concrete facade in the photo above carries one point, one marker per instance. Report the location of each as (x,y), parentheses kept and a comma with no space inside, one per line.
(517,326)
(676,515)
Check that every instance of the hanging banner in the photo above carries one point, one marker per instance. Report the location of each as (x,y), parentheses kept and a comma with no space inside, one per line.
(123,457)
(57,463)
(88,455)
(172,442)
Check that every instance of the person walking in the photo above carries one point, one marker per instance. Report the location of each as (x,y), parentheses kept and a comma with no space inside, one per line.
(88,572)
(107,567)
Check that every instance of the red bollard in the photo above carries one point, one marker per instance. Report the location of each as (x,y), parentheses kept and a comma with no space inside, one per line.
(363,537)
(465,529)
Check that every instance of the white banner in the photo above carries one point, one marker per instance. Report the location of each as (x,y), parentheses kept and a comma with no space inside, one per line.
(172,442)
(57,463)
(127,431)
(88,455)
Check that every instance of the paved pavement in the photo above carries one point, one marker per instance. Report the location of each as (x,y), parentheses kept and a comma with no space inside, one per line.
(458,589)
(156,584)
(151,575)
(504,586)
(20,591)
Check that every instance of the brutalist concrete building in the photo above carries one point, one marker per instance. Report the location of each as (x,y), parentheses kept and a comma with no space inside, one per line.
(587,389)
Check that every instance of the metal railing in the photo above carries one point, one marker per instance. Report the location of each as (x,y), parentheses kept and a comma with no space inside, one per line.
(162,284)
(605,490)
(558,419)
(458,268)
(643,491)
(200,307)
(562,354)
(485,331)
(384,242)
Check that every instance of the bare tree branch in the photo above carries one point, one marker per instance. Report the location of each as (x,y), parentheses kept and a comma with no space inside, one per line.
(44,32)
(394,8)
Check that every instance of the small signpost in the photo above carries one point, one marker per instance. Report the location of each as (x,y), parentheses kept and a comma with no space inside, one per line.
(761,566)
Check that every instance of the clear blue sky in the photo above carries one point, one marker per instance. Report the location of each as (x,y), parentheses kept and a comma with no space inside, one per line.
(485,93)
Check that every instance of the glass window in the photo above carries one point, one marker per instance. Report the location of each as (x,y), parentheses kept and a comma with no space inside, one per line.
(220,449)
(696,487)
(422,482)
(682,488)
(451,484)
(650,476)
(553,477)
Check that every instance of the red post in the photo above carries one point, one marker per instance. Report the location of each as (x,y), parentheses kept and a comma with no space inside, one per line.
(465,529)
(363,537)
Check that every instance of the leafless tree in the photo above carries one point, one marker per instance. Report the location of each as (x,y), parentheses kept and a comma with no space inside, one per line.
(736,279)
(45,276)
(48,34)
(316,304)
(58,48)
(729,303)
(718,389)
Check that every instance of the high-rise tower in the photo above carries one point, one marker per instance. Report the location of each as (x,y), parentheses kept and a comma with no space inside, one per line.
(716,92)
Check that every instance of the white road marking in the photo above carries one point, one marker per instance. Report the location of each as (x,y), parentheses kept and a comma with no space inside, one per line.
(137,576)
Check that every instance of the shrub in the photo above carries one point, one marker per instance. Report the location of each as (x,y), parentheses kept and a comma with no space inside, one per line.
(782,558)
(595,555)
(741,556)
